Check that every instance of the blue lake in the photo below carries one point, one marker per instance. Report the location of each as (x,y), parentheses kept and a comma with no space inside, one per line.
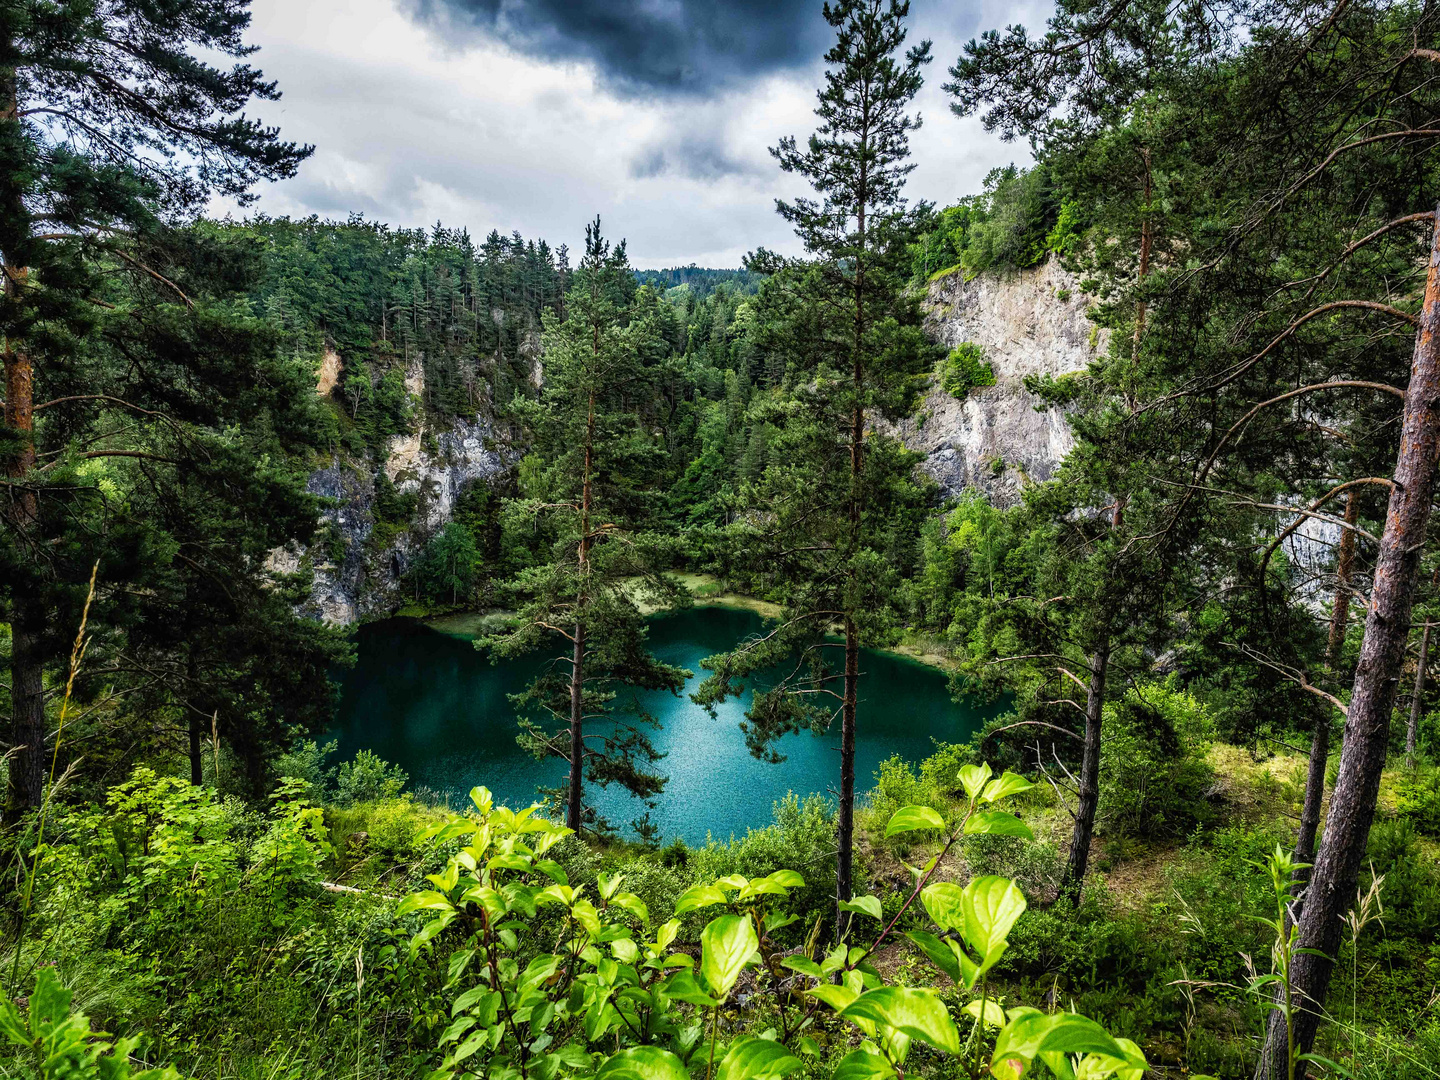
(434,705)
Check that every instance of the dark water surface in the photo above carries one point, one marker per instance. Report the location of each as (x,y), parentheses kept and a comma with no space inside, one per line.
(433,704)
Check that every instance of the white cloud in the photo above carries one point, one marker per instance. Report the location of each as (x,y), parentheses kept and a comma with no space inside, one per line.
(410,129)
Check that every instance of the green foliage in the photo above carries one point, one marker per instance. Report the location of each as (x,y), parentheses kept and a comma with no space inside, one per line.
(578,979)
(1417,798)
(800,838)
(367,777)
(1014,223)
(965,369)
(54,1043)
(1153,767)
(448,565)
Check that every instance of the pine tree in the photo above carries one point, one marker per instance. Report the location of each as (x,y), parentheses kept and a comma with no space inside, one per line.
(823,516)
(112,132)
(592,495)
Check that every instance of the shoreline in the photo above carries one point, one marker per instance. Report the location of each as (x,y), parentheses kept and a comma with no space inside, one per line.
(705,592)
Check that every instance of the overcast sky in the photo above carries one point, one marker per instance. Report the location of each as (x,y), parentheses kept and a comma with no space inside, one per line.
(537,114)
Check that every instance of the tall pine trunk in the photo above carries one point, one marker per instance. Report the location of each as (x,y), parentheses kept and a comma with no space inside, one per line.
(21,508)
(1083,833)
(1412,729)
(1377,675)
(1320,738)
(574,801)
(845,818)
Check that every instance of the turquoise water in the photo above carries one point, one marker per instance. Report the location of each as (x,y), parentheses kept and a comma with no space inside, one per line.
(434,705)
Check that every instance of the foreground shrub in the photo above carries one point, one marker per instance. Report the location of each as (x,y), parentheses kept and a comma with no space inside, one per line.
(548,978)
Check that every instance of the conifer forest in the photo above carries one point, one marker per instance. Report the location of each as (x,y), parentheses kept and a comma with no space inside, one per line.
(1126,451)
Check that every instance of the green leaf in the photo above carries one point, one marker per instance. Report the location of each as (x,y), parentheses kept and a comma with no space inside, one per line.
(864,905)
(804,965)
(911,818)
(725,946)
(788,878)
(643,1063)
(682,987)
(973,777)
(990,906)
(918,1013)
(994,1014)
(698,896)
(757,1059)
(424,901)
(940,953)
(864,1064)
(1009,784)
(1031,1032)
(997,823)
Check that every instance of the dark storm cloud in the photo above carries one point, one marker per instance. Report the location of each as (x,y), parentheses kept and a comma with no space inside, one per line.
(639,46)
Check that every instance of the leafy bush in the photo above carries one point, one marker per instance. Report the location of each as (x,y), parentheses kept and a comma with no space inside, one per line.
(366,778)
(965,369)
(54,1043)
(552,979)
(801,838)
(1153,767)
(1417,799)
(306,761)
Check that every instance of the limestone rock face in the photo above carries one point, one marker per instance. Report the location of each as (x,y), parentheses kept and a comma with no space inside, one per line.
(1031,322)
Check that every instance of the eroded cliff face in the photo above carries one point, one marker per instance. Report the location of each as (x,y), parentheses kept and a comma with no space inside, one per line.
(356,570)
(1027,323)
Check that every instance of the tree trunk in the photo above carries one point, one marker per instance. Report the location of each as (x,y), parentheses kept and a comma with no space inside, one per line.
(197,752)
(1412,729)
(1377,675)
(1073,880)
(1320,738)
(577,731)
(845,819)
(27,619)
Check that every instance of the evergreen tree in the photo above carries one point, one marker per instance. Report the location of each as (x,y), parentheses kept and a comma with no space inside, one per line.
(592,495)
(123,346)
(823,516)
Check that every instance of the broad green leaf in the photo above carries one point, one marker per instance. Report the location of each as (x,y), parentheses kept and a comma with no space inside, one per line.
(698,896)
(910,818)
(990,906)
(725,946)
(945,902)
(864,1064)
(837,997)
(682,987)
(788,878)
(864,905)
(424,901)
(1031,1032)
(997,823)
(1009,784)
(918,1013)
(941,953)
(994,1014)
(804,965)
(643,1063)
(756,1059)
(482,799)
(973,777)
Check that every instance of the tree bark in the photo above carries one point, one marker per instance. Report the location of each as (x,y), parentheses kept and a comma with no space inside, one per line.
(197,751)
(1377,675)
(1073,880)
(845,818)
(1412,729)
(1320,738)
(573,802)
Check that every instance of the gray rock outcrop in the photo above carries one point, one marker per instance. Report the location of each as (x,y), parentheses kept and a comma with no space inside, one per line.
(1031,322)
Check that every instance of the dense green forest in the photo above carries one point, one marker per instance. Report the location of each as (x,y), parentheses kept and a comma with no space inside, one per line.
(1203,839)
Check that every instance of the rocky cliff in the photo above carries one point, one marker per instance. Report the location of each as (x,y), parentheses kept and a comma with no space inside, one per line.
(357,569)
(1027,323)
